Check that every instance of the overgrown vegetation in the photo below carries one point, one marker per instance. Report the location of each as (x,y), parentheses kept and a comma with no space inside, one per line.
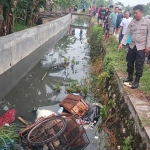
(116,119)
(115,60)
(127,143)
(9,137)
(19,27)
(75,87)
(25,13)
(57,87)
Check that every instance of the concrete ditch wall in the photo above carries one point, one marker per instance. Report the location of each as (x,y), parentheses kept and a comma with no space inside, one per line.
(21,51)
(16,46)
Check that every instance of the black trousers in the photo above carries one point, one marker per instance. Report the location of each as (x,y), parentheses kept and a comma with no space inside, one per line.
(137,58)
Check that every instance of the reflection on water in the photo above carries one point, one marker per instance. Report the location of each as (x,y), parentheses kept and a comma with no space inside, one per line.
(31,92)
(81,21)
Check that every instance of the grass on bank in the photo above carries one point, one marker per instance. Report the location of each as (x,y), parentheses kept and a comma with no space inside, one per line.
(19,27)
(115,60)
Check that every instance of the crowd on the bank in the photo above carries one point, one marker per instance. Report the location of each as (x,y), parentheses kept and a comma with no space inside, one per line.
(113,22)
(134,32)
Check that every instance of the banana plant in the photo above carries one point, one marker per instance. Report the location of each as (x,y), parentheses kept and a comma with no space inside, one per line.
(27,11)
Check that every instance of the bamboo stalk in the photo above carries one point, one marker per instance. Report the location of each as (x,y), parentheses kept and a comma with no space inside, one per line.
(44,76)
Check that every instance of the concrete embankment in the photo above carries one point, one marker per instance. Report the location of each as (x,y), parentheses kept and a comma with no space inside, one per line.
(20,51)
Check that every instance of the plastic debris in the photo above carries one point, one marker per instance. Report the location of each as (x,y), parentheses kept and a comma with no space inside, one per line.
(43,113)
(8,117)
(96,137)
(128,84)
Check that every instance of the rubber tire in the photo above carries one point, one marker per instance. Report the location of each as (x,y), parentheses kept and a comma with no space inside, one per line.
(52,138)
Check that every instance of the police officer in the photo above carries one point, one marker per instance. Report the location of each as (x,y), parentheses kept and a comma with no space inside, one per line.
(139,27)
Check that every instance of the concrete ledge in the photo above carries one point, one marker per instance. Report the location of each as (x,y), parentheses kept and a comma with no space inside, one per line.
(16,46)
(139,109)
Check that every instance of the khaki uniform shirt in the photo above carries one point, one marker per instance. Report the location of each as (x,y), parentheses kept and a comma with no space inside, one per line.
(140,31)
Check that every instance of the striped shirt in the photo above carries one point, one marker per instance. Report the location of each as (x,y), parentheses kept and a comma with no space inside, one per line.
(140,31)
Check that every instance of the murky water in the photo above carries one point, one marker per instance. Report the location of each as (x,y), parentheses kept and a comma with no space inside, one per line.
(33,92)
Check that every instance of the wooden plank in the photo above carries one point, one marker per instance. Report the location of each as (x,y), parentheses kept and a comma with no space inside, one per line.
(80,14)
(78,27)
(24,121)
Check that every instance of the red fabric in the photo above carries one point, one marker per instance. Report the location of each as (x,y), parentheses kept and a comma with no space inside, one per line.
(8,117)
(98,12)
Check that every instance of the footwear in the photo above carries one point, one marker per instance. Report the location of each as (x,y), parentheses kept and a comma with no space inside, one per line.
(129,78)
(136,82)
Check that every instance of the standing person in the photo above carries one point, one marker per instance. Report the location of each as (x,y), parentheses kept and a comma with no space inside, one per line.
(119,19)
(75,8)
(124,24)
(106,17)
(106,11)
(81,33)
(110,9)
(139,27)
(83,8)
(106,29)
(112,23)
(98,11)
(102,14)
(90,10)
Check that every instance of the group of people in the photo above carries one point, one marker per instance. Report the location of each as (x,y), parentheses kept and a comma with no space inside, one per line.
(134,32)
(112,20)
(73,9)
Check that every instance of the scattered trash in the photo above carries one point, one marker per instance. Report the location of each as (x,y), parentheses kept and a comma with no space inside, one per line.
(96,137)
(8,117)
(127,84)
(44,76)
(60,110)
(75,105)
(124,130)
(6,125)
(55,132)
(24,121)
(62,130)
(43,114)
(93,114)
(76,94)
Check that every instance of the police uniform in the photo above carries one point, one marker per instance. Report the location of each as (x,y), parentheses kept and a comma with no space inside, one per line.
(140,31)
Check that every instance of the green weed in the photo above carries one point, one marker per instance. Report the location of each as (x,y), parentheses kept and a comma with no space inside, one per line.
(104,112)
(19,27)
(57,87)
(127,143)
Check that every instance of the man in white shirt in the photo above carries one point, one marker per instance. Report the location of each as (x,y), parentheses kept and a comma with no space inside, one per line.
(124,25)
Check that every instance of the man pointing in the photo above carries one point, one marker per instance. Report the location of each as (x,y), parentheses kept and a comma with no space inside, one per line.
(139,27)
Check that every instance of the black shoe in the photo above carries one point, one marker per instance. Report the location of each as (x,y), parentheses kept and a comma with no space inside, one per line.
(129,78)
(136,82)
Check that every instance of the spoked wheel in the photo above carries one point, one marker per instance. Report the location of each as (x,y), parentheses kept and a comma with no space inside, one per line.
(46,131)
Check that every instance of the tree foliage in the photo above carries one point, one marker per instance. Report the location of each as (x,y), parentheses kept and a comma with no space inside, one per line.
(27,11)
(130,8)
